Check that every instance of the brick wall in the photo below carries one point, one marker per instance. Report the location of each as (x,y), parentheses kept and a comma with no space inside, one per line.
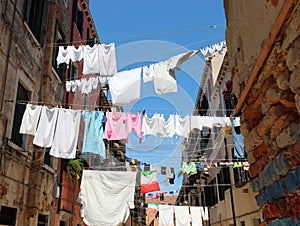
(271,112)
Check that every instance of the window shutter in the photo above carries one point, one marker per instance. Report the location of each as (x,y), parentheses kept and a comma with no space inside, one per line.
(44,21)
(27,10)
(80,22)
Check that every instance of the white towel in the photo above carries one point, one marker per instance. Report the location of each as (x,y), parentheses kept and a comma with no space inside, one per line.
(30,119)
(164,79)
(125,87)
(204,212)
(196,216)
(166,215)
(66,134)
(106,197)
(182,216)
(46,128)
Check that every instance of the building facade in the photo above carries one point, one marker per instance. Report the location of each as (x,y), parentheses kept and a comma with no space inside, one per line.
(219,184)
(35,189)
(265,71)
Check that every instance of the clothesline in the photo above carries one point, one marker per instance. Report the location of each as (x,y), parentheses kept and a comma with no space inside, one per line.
(54,44)
(125,85)
(132,109)
(50,126)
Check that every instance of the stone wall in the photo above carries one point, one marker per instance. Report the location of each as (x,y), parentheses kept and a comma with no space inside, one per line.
(270,114)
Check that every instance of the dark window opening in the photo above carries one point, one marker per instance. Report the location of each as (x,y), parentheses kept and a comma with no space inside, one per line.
(16,137)
(223,182)
(210,192)
(8,215)
(36,15)
(90,40)
(42,220)
(62,223)
(78,17)
(60,69)
(48,159)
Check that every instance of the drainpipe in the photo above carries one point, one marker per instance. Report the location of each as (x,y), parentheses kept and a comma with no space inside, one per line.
(4,139)
(230,190)
(61,170)
(11,28)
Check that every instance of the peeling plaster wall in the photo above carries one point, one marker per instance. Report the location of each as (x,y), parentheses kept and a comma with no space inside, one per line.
(271,113)
(248,26)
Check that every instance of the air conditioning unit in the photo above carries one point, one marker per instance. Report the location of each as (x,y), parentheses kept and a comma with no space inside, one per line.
(56,191)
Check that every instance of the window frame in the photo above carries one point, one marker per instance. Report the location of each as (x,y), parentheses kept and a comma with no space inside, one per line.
(36,17)
(17,106)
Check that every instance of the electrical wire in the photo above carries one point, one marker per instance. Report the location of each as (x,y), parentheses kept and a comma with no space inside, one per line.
(143,36)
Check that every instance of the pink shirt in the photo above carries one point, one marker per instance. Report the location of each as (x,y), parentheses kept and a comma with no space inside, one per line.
(115,126)
(134,123)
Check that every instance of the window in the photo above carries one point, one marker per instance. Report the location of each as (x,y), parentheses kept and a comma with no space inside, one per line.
(89,40)
(74,71)
(78,17)
(48,159)
(62,223)
(7,215)
(36,14)
(42,220)
(61,69)
(223,182)
(210,193)
(22,95)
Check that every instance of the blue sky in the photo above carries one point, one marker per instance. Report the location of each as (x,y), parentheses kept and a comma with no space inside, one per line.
(148,32)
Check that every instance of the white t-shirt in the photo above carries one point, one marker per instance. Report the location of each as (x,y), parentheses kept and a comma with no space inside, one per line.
(46,128)
(164,72)
(182,126)
(91,60)
(30,119)
(66,134)
(168,126)
(64,55)
(76,54)
(152,126)
(125,87)
(107,60)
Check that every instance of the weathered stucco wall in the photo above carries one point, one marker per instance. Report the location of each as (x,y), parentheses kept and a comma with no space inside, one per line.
(248,26)
(271,111)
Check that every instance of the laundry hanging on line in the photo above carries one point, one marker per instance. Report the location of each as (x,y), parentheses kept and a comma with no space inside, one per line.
(190,168)
(175,125)
(106,197)
(124,85)
(99,59)
(118,126)
(210,51)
